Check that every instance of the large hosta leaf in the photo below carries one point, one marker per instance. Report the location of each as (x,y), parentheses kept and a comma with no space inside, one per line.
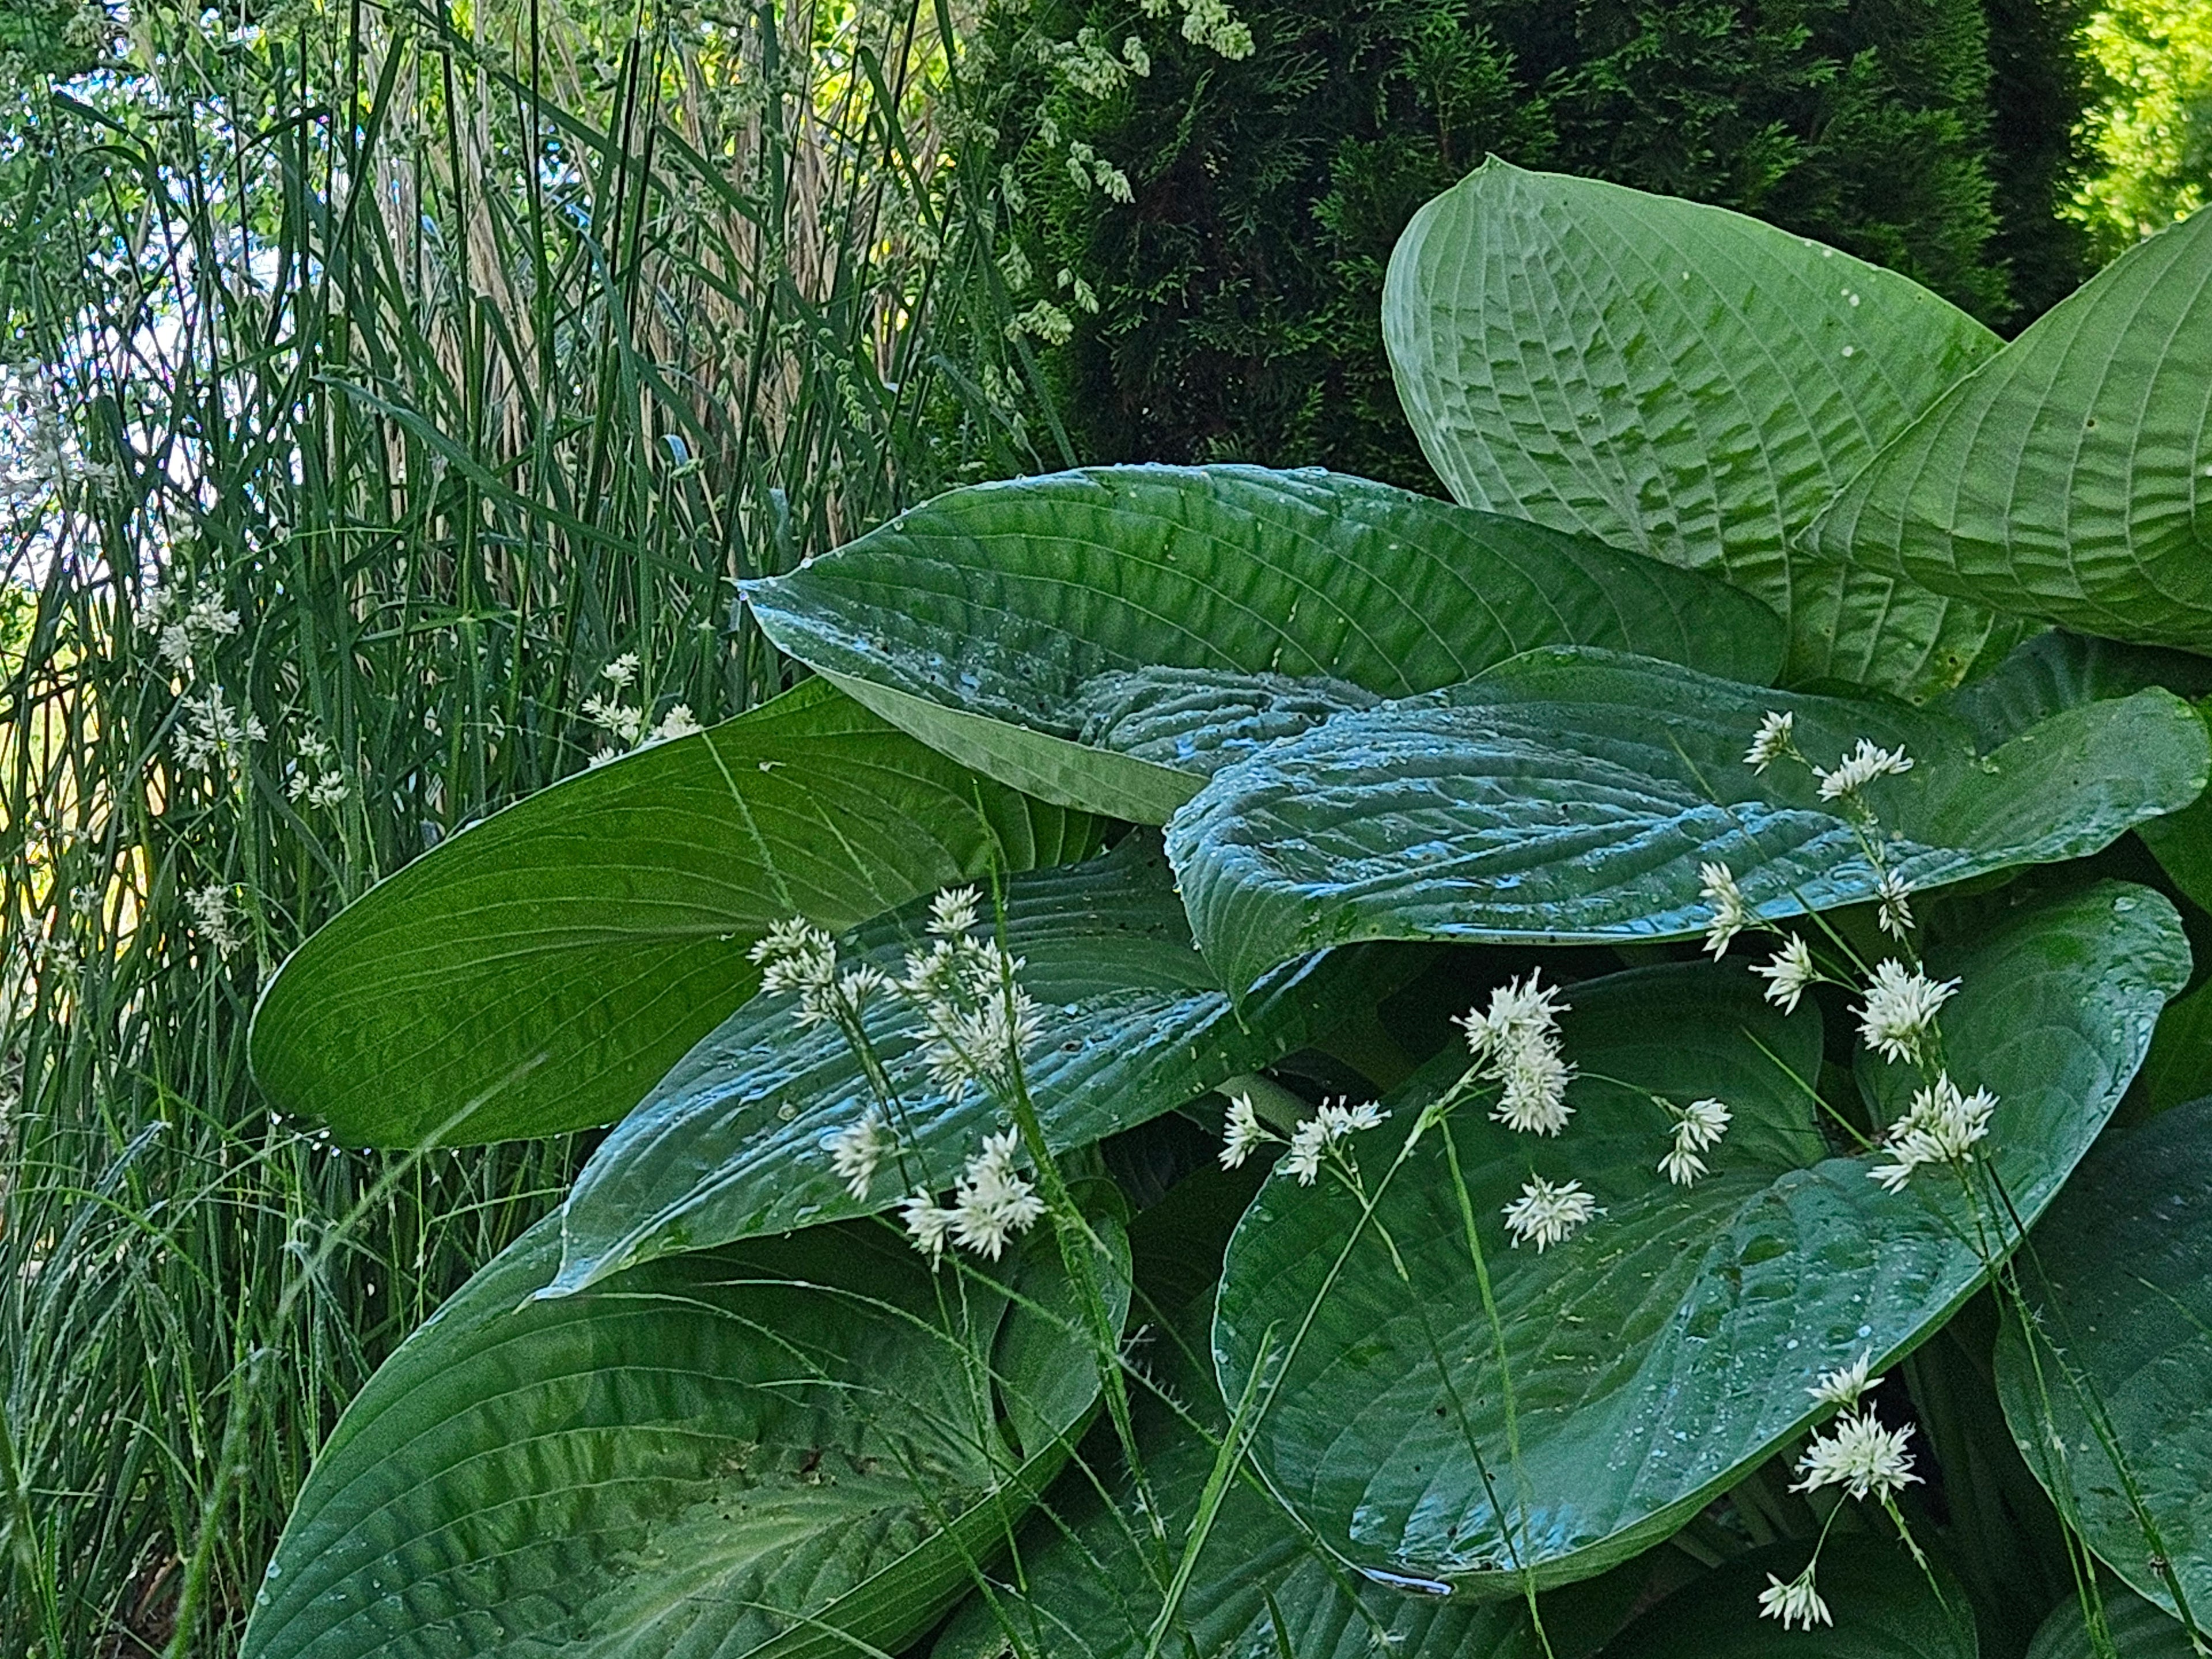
(2070,476)
(2138,1630)
(1572,797)
(788,1448)
(1014,625)
(1666,1347)
(1882,1605)
(2122,1288)
(1093,1580)
(539,971)
(1684,381)
(730,1143)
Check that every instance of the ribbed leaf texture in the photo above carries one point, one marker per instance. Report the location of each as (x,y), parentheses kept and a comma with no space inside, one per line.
(2070,476)
(1687,382)
(1667,1348)
(540,970)
(780,1450)
(730,1143)
(2122,1375)
(1572,797)
(1023,626)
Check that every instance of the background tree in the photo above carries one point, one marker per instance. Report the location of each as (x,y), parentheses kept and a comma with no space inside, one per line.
(1236,296)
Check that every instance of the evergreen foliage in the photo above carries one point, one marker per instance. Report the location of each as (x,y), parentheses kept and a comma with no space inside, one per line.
(1237,295)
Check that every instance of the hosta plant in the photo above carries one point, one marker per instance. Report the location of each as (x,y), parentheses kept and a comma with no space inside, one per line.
(1259,1065)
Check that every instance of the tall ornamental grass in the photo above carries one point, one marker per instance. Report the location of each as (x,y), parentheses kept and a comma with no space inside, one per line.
(393,397)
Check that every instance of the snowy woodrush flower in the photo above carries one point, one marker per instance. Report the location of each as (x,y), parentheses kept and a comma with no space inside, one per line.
(1899,1015)
(1731,915)
(1844,1387)
(1516,1044)
(857,1150)
(211,917)
(1942,1127)
(1771,742)
(1243,1134)
(622,673)
(979,1019)
(1857,1454)
(1860,768)
(1331,1121)
(213,731)
(1546,1214)
(1699,1127)
(1895,915)
(795,955)
(678,722)
(994,1202)
(1788,973)
(1793,1603)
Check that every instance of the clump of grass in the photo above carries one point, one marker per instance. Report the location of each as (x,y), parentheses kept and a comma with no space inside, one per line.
(377,384)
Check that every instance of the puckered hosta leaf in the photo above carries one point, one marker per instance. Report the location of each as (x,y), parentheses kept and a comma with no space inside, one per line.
(2122,1287)
(1687,382)
(539,971)
(1017,626)
(2138,1630)
(1882,1603)
(1094,1580)
(1665,1349)
(1134,1025)
(2070,476)
(1571,796)
(779,1448)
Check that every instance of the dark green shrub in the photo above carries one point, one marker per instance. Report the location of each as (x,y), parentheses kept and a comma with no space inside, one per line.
(1237,295)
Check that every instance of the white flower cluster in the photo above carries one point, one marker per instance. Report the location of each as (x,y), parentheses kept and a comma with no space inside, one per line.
(1856,1452)
(1699,1127)
(212,920)
(1860,768)
(977,1020)
(1942,1127)
(1731,915)
(213,734)
(994,1202)
(1787,972)
(1516,1045)
(1333,1120)
(1795,1603)
(626,722)
(182,625)
(1544,1214)
(317,782)
(1898,1020)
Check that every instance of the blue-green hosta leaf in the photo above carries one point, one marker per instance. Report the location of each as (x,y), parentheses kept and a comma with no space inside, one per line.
(730,1143)
(2070,476)
(1882,1603)
(778,1448)
(1016,626)
(2139,1629)
(2122,1287)
(539,971)
(1687,382)
(2056,670)
(1665,1348)
(1571,796)
(1093,1581)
